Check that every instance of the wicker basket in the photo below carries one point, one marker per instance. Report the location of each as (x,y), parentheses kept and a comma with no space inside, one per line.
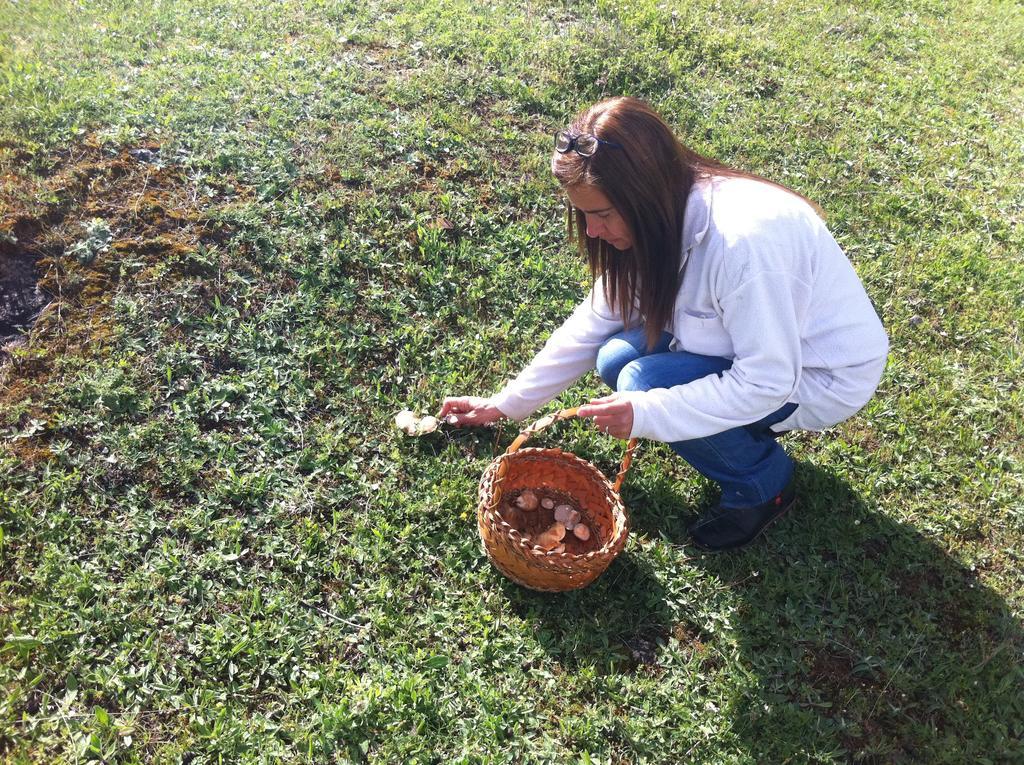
(555,470)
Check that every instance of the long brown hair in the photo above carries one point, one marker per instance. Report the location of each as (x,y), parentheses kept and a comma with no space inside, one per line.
(648,179)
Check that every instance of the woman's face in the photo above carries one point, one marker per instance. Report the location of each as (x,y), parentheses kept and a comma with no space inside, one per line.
(603,220)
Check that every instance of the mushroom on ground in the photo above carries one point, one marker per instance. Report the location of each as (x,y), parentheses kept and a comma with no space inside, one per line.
(406,422)
(427,425)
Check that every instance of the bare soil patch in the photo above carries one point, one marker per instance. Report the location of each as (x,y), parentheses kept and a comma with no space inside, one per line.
(98,219)
(21,298)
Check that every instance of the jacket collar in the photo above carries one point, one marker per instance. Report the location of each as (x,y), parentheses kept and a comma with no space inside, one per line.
(697,218)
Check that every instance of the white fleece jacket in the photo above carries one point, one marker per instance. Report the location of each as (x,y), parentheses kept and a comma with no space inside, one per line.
(765,285)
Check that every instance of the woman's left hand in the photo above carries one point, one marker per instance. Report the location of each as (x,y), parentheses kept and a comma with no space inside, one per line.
(612,415)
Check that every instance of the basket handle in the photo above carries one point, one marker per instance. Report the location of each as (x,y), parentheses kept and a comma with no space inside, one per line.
(551,419)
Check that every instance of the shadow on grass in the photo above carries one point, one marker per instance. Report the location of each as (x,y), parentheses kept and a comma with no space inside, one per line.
(856,637)
(617,623)
(868,641)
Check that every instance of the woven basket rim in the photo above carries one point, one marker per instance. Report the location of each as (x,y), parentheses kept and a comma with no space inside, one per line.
(620,516)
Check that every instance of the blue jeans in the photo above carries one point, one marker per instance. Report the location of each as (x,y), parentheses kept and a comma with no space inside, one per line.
(746,462)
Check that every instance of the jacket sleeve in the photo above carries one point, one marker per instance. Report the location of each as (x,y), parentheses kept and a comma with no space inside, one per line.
(763,316)
(569,352)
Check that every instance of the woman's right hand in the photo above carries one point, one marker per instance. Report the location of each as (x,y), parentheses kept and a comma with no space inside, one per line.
(469,410)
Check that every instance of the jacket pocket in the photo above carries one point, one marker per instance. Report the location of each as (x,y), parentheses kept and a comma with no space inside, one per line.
(703,333)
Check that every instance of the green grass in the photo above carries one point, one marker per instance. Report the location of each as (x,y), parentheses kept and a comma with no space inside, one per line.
(215,547)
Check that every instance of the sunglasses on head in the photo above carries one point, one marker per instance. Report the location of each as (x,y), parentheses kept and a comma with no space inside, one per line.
(584,144)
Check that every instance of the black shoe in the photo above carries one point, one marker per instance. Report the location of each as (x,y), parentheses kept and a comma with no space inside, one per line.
(728,528)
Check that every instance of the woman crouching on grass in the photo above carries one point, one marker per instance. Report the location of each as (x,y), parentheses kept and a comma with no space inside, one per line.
(722,314)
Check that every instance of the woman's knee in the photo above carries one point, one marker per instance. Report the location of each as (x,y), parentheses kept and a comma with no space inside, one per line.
(615,354)
(623,348)
(632,377)
(665,370)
